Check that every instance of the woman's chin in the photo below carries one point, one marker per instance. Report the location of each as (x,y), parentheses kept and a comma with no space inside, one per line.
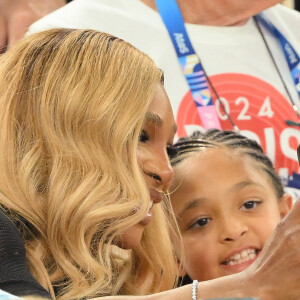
(131,238)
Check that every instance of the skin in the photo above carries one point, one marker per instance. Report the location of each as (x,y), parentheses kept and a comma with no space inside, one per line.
(220,13)
(17,15)
(156,137)
(225,204)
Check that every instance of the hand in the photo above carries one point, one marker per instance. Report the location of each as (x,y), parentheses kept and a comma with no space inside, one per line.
(276,272)
(17,15)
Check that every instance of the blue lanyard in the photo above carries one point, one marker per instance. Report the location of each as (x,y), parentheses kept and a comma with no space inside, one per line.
(290,53)
(192,67)
(189,61)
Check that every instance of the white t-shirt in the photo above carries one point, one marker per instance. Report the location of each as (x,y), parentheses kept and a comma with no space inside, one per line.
(6,296)
(235,58)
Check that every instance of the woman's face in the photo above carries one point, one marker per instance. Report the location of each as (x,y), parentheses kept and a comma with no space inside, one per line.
(156,140)
(226,208)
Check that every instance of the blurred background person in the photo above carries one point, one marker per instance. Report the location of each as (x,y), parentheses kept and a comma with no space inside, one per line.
(17,15)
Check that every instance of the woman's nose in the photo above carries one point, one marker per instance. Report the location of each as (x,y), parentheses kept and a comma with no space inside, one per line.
(158,169)
(232,229)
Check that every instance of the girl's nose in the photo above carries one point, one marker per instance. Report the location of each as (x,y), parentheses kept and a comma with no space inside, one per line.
(232,229)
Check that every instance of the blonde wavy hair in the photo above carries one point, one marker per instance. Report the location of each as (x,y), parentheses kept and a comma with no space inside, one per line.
(72,105)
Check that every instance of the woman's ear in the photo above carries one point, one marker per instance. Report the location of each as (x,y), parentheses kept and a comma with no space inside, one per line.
(285,204)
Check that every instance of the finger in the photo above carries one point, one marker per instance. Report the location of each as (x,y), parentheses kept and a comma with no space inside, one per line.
(3,35)
(294,214)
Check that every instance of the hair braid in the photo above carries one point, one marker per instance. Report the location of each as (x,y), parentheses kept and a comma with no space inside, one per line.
(228,139)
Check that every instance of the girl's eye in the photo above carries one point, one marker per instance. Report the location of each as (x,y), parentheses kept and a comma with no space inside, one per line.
(172,152)
(200,223)
(251,204)
(144,137)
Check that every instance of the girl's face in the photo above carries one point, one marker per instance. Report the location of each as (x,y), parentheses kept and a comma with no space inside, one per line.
(226,207)
(156,141)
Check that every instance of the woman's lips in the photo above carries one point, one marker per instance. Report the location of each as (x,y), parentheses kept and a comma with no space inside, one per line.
(147,219)
(156,197)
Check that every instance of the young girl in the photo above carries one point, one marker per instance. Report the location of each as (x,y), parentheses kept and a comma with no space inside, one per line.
(228,200)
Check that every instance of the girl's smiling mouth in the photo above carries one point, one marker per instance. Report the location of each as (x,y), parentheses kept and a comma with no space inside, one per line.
(240,260)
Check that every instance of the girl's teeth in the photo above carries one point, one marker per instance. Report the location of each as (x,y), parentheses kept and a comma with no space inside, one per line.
(242,257)
(244,254)
(237,256)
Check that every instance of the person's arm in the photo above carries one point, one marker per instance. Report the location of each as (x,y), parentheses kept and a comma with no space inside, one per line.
(17,15)
(275,275)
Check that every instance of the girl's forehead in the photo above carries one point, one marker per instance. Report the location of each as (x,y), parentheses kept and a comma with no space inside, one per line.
(222,154)
(206,156)
(217,164)
(219,175)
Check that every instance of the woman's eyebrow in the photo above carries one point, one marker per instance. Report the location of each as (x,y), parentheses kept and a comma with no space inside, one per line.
(154,118)
(157,120)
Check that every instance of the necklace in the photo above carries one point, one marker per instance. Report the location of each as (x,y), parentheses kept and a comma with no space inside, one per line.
(290,98)
(218,98)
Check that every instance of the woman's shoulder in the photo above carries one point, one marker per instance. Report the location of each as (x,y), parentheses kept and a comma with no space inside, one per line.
(15,277)
(10,237)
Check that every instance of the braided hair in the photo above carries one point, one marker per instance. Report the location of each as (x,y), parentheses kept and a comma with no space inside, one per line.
(215,138)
